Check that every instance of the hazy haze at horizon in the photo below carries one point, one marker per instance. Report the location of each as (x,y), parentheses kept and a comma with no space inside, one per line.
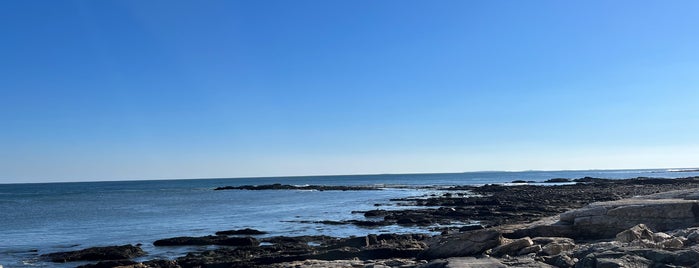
(114,90)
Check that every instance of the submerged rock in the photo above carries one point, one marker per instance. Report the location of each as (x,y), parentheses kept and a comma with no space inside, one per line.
(246,231)
(207,240)
(97,254)
(110,264)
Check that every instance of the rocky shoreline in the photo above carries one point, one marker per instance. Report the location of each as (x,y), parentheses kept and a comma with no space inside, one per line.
(588,222)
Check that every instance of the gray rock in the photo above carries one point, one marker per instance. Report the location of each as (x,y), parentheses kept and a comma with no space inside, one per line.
(439,263)
(471,262)
(97,254)
(687,258)
(693,237)
(529,250)
(660,237)
(654,255)
(555,248)
(560,260)
(463,244)
(636,233)
(561,229)
(524,262)
(605,219)
(512,248)
(672,243)
(548,240)
(623,262)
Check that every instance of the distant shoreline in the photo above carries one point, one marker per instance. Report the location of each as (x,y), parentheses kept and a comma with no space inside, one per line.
(650,170)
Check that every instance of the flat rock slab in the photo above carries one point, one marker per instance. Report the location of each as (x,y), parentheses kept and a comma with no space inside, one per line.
(463,244)
(471,262)
(606,219)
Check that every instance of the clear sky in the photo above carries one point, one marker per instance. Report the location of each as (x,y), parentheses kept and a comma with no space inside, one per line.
(114,90)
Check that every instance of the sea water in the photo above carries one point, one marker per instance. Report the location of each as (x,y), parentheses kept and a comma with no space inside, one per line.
(42,218)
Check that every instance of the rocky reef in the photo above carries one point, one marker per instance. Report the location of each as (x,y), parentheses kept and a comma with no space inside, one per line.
(586,222)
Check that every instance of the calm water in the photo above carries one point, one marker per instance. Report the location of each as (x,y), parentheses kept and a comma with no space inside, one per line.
(42,218)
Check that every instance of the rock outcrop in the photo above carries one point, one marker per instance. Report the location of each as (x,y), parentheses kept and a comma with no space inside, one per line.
(97,253)
(606,219)
(659,212)
(464,244)
(246,231)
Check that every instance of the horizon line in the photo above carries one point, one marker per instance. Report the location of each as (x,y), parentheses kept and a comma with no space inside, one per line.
(674,169)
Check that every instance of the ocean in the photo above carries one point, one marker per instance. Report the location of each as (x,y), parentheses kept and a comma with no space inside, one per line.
(43,218)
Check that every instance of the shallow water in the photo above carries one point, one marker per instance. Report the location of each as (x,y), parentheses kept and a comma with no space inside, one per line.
(43,218)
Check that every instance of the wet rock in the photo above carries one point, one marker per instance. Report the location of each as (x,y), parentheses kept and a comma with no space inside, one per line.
(558,180)
(161,264)
(375,213)
(97,254)
(471,228)
(246,231)
(207,240)
(353,242)
(109,264)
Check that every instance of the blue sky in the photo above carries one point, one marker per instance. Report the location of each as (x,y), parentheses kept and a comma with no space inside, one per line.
(113,90)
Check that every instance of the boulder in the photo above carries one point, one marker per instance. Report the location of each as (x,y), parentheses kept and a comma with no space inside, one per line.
(555,248)
(560,260)
(97,254)
(660,237)
(529,250)
(692,237)
(672,243)
(463,244)
(513,247)
(636,233)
